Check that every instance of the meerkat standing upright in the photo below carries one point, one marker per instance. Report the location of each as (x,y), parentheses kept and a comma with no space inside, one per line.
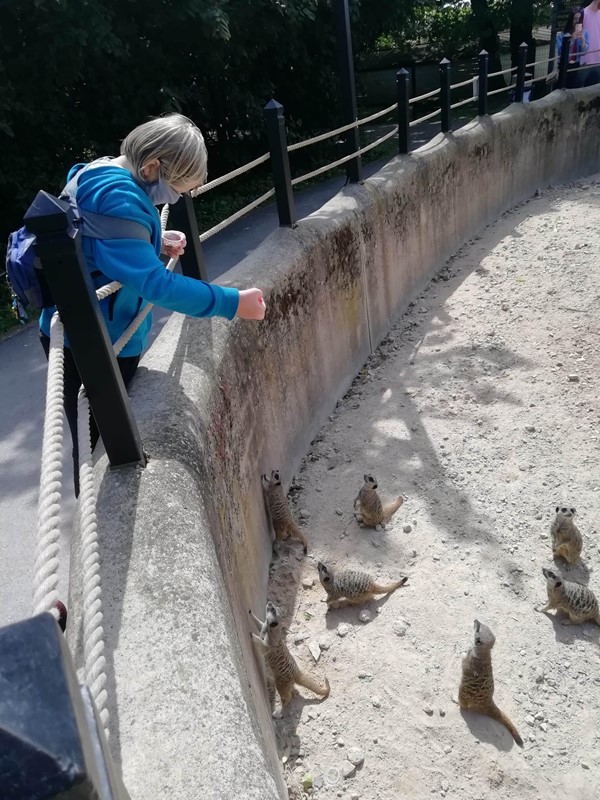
(476,692)
(566,539)
(282,520)
(577,601)
(352,587)
(371,510)
(280,661)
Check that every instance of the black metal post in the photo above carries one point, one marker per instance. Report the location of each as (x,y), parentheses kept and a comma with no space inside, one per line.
(280,162)
(484,60)
(445,95)
(521,63)
(183,218)
(347,85)
(71,288)
(403,111)
(52,744)
(564,61)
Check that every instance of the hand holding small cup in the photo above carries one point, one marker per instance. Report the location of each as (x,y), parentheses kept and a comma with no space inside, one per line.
(173,243)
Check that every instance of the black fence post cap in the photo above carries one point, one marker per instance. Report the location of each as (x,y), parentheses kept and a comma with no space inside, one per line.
(403,72)
(523,44)
(41,752)
(273,105)
(484,53)
(444,63)
(47,213)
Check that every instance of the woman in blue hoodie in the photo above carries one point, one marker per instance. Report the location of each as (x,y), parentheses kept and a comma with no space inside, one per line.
(159,161)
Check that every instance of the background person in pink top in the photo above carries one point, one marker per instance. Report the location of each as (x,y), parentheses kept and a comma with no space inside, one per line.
(591,25)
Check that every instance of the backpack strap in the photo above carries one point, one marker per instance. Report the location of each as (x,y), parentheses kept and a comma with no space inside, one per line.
(101,226)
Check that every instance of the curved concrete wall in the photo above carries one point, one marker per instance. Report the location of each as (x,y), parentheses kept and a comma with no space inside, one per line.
(185,544)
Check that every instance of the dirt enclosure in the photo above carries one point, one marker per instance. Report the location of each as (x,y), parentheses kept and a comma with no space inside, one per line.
(481,409)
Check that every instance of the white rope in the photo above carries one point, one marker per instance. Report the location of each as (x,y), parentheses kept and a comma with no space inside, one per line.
(322,136)
(502,72)
(238,215)
(47,548)
(93,631)
(327,167)
(230,175)
(423,96)
(107,290)
(463,102)
(425,118)
(378,114)
(503,89)
(462,83)
(377,142)
(164,216)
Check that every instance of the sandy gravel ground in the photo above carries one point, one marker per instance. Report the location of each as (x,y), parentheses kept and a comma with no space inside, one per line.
(481,409)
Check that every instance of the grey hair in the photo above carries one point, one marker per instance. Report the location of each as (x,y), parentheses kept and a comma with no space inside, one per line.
(176,142)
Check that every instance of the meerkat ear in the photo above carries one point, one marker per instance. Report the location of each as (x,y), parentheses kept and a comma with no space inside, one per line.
(557,584)
(557,509)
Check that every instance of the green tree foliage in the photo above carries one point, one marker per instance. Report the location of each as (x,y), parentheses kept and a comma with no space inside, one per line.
(77,75)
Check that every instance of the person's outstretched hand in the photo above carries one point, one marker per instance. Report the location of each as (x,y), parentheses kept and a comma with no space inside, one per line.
(251,304)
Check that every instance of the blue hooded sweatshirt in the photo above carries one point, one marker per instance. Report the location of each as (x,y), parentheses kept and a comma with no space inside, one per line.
(135,263)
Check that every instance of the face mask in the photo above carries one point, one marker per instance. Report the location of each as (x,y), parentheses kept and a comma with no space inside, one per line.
(160,192)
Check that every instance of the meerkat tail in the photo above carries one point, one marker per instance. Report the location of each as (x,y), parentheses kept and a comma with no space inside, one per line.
(295,531)
(390,509)
(303,679)
(495,713)
(380,588)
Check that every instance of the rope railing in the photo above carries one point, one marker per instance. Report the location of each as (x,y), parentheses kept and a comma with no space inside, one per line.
(344,159)
(425,96)
(425,118)
(342,129)
(460,85)
(238,215)
(463,102)
(47,550)
(379,141)
(230,175)
(508,88)
(326,168)
(502,72)
(378,114)
(321,137)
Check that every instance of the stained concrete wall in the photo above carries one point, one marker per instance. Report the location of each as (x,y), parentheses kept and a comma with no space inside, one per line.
(185,544)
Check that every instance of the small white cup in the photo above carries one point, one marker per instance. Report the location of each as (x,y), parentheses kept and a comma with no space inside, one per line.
(174,239)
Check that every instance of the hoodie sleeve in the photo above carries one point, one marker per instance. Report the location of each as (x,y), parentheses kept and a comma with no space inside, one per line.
(135,264)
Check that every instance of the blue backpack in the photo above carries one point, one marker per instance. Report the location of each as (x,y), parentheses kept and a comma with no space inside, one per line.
(23,269)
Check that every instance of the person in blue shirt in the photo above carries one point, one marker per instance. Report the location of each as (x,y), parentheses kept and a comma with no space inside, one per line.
(579,46)
(160,160)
